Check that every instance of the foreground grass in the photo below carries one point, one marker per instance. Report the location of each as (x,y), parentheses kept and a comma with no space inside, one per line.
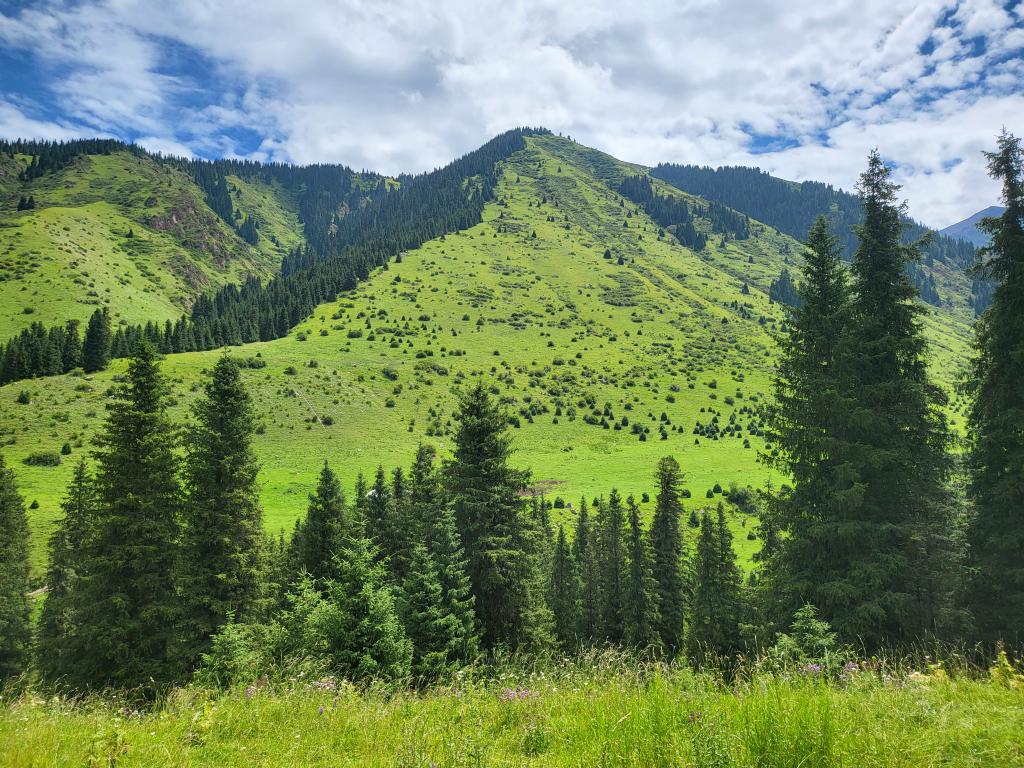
(567,717)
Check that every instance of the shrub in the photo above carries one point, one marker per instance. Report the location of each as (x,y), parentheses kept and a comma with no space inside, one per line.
(43,459)
(24,398)
(65,449)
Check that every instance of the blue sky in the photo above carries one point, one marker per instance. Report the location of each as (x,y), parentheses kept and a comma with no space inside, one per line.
(802,89)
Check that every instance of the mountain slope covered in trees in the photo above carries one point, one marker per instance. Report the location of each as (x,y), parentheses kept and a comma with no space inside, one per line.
(618,318)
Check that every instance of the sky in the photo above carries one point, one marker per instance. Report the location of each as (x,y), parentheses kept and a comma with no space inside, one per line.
(800,89)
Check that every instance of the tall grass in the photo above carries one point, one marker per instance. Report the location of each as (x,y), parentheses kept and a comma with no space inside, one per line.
(602,709)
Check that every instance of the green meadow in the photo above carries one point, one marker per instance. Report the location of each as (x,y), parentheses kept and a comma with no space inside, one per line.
(602,711)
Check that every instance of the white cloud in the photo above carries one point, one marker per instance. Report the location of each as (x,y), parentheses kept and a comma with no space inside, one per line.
(407,85)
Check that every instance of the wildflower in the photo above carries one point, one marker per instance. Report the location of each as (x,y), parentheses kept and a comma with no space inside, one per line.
(250,691)
(812,668)
(320,710)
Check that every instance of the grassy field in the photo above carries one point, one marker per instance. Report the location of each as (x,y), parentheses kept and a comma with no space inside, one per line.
(600,713)
(583,349)
(72,253)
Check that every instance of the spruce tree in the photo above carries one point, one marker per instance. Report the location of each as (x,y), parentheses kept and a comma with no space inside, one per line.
(130,607)
(802,419)
(457,601)
(713,626)
(223,521)
(996,535)
(501,546)
(96,347)
(356,627)
(564,593)
(612,538)
(15,626)
(641,610)
(893,546)
(667,547)
(57,637)
(321,535)
(584,548)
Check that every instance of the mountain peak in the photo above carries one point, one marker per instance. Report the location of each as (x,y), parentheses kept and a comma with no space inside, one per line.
(968,228)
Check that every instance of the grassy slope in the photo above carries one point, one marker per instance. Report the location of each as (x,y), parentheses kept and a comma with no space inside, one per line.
(626,335)
(71,253)
(573,718)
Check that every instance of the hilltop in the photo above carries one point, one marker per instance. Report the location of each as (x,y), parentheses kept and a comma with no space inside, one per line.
(611,342)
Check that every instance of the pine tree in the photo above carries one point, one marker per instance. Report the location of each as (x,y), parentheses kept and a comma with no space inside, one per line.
(996,536)
(713,627)
(564,593)
(612,538)
(641,610)
(457,601)
(56,646)
(584,548)
(96,347)
(130,608)
(223,520)
(667,546)
(15,626)
(500,545)
(322,533)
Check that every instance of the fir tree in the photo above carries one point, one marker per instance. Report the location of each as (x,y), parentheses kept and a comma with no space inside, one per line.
(641,610)
(223,520)
(996,536)
(667,546)
(807,397)
(713,627)
(501,546)
(130,608)
(564,593)
(322,533)
(457,601)
(96,347)
(356,626)
(57,639)
(584,548)
(612,538)
(15,626)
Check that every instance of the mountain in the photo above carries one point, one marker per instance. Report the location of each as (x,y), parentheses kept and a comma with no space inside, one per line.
(619,318)
(791,208)
(968,228)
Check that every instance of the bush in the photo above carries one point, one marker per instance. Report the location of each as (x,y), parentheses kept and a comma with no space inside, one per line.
(24,398)
(65,449)
(43,459)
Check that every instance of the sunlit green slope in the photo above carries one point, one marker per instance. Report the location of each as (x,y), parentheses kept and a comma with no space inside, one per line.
(597,359)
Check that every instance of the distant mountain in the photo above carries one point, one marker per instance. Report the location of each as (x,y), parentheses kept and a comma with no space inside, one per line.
(968,228)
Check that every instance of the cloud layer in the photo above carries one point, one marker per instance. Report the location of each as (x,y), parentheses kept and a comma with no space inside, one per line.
(801,89)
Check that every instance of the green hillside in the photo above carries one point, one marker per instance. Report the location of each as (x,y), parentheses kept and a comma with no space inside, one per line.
(600,335)
(128,232)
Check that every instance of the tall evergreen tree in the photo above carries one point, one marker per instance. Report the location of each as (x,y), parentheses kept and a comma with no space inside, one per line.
(807,398)
(321,536)
(96,347)
(641,610)
(223,521)
(584,549)
(15,626)
(564,592)
(457,601)
(130,607)
(873,546)
(500,544)
(612,538)
(996,588)
(57,635)
(667,546)
(713,627)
